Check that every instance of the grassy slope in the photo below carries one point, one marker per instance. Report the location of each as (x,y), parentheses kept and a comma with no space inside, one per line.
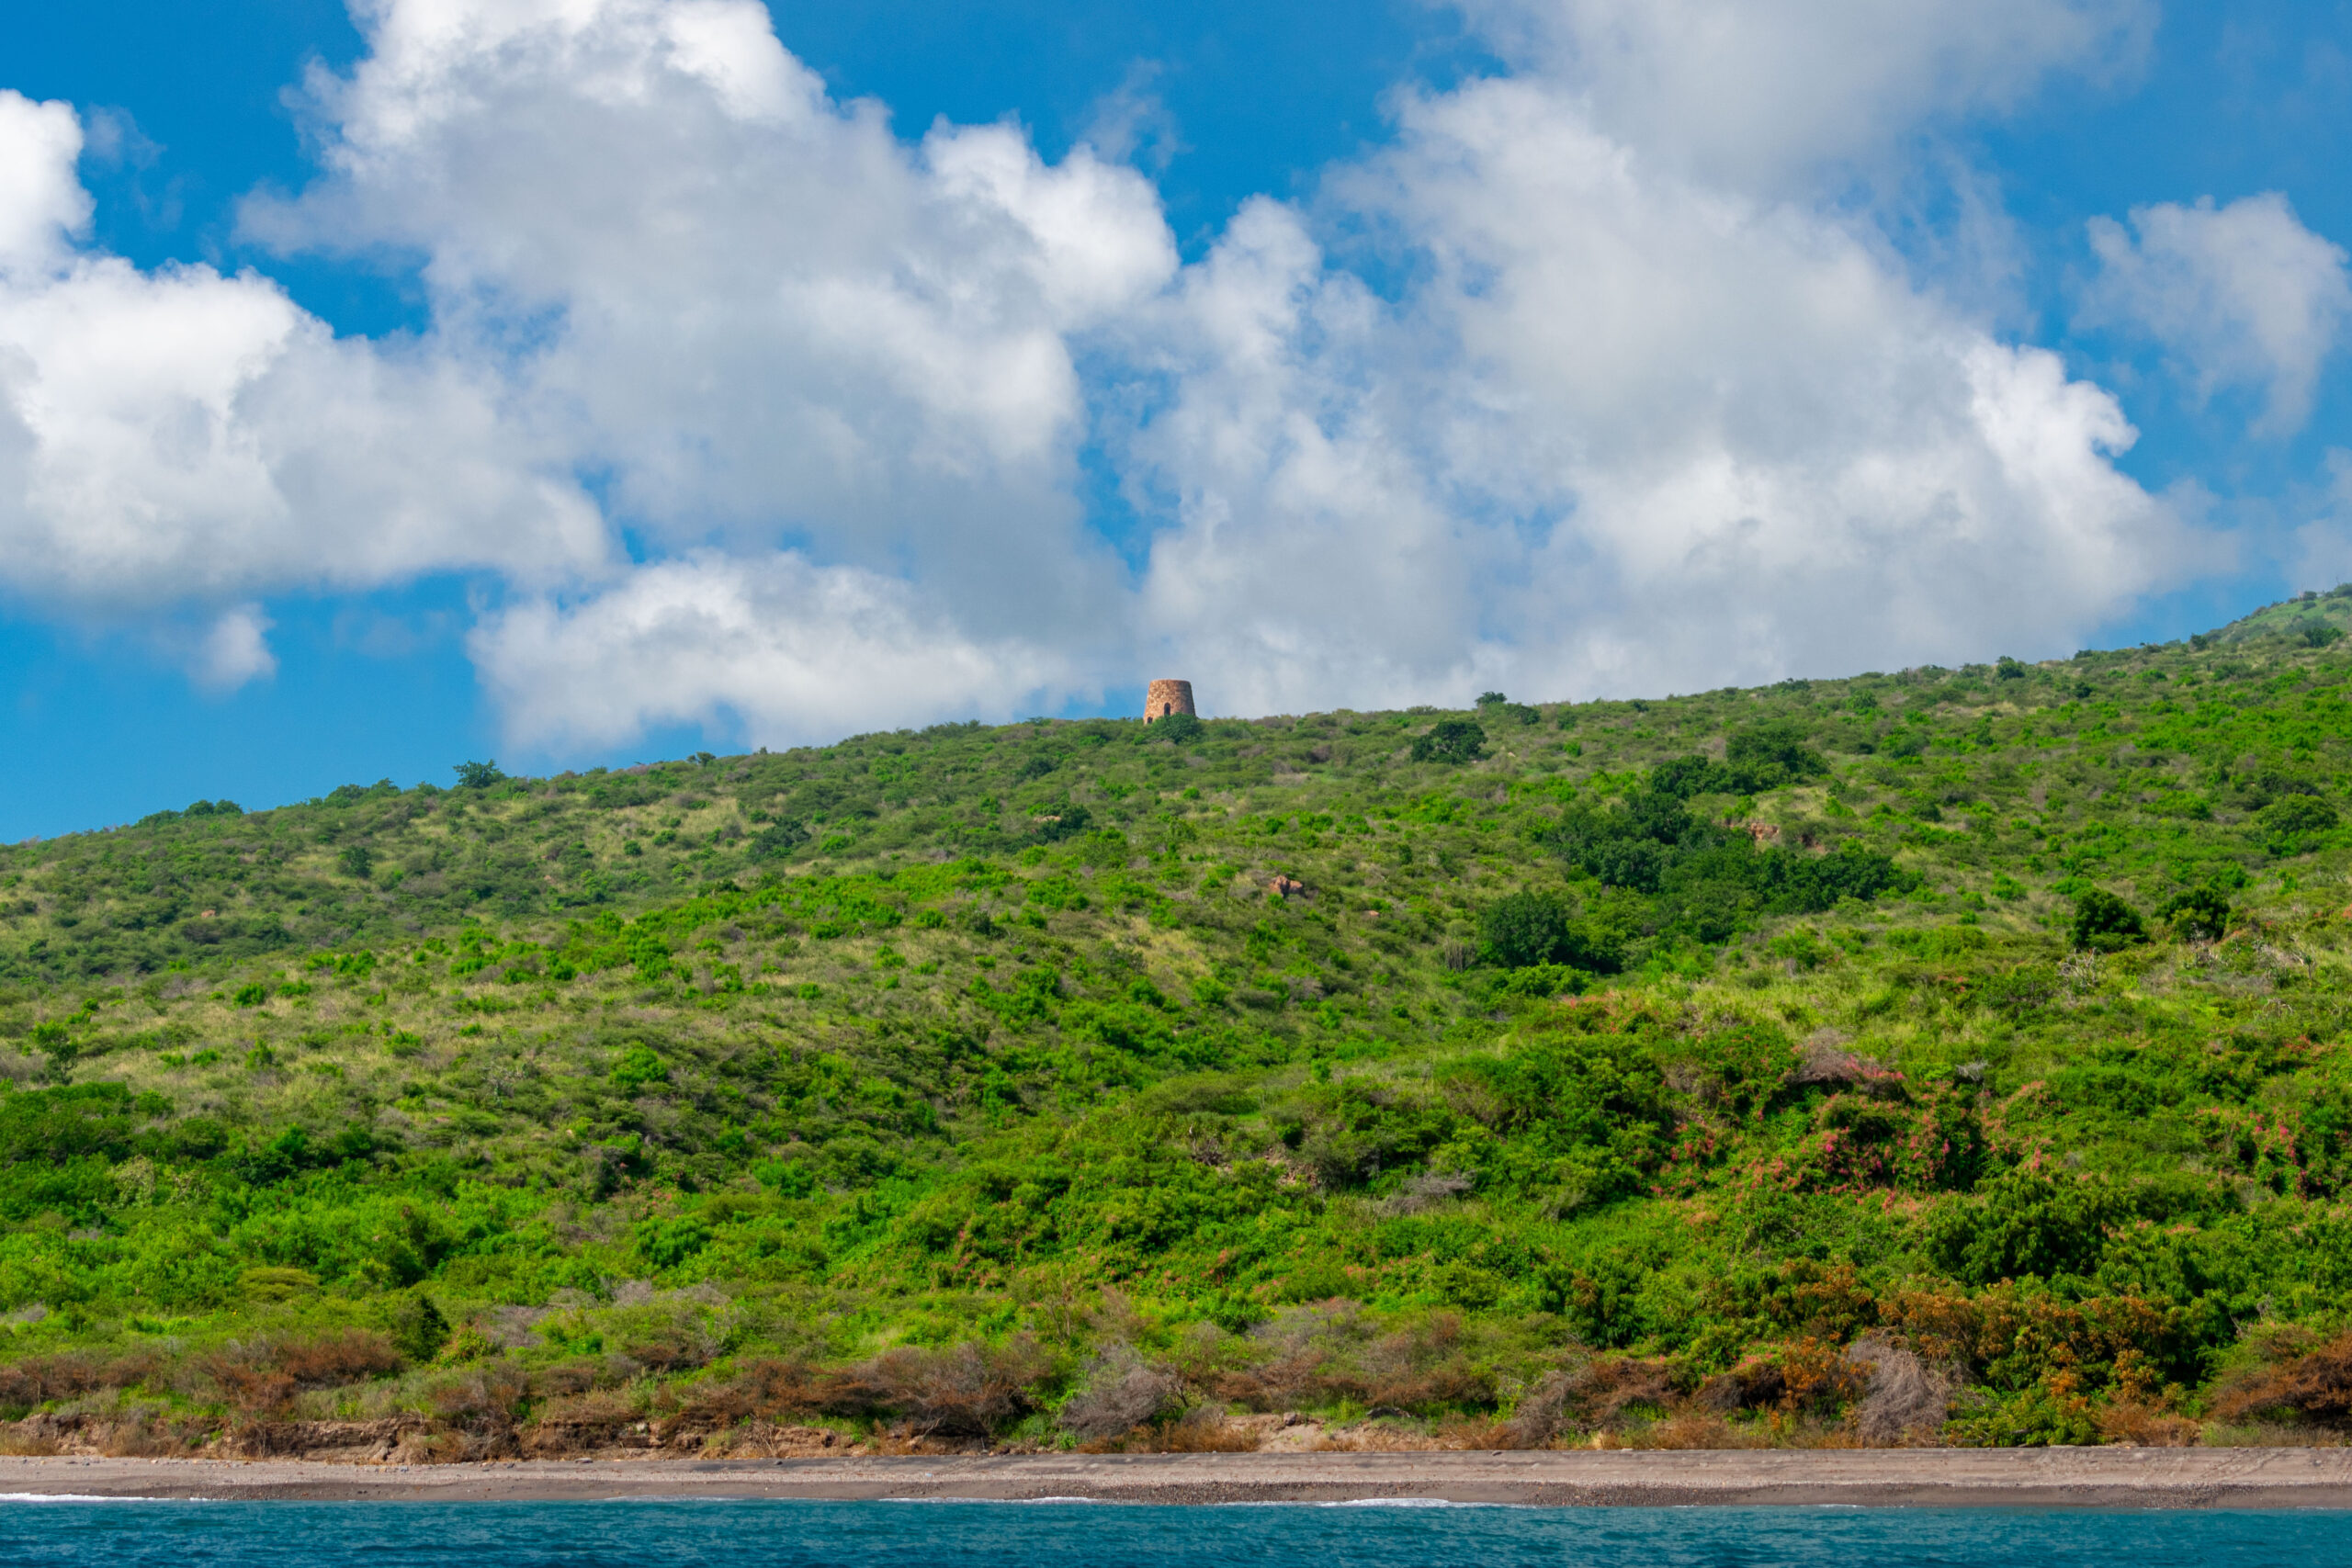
(572,1136)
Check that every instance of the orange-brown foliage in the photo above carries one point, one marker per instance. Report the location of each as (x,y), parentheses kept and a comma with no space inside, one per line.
(258,1375)
(2315,1386)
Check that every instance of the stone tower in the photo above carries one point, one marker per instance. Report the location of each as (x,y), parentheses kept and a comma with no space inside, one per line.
(1166,697)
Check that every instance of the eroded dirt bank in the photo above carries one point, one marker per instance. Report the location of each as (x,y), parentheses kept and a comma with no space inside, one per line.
(2098,1478)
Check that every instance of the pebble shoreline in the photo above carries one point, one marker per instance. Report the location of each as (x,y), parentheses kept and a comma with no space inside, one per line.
(2077,1478)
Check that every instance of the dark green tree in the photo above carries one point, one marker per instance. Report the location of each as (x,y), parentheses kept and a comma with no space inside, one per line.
(1527,927)
(2295,818)
(2104,923)
(419,1329)
(1451,740)
(778,838)
(2201,914)
(1767,756)
(1071,821)
(478,775)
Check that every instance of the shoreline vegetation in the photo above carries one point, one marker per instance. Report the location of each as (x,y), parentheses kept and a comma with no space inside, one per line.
(1932,1060)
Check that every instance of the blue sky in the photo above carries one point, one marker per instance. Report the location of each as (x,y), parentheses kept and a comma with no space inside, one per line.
(1356,355)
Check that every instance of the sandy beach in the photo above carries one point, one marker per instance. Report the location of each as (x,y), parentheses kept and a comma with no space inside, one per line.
(2078,1478)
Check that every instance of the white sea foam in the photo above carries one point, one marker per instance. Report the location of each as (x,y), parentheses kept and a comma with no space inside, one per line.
(988,1499)
(1414,1502)
(87,1497)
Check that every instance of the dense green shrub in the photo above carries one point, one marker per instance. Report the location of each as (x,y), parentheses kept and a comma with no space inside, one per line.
(2201,914)
(2105,922)
(1451,740)
(1180,728)
(1526,929)
(778,840)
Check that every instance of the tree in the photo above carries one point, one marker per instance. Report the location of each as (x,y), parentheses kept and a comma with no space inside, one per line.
(1451,740)
(1491,699)
(1765,756)
(1525,930)
(357,861)
(419,1330)
(2297,817)
(478,775)
(2201,914)
(1683,777)
(2105,922)
(778,840)
(1180,727)
(1073,820)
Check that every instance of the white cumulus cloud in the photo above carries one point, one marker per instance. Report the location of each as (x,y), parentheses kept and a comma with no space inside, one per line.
(776,649)
(1631,433)
(2242,296)
(1757,93)
(182,436)
(236,649)
(754,309)
(763,418)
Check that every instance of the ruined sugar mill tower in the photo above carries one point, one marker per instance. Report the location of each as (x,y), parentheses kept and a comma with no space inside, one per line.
(1168,697)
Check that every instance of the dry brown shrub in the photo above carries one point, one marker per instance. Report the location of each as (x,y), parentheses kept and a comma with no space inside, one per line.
(1590,1396)
(1756,1383)
(575,1376)
(157,1433)
(1538,1414)
(352,1356)
(24,1440)
(1905,1400)
(756,1393)
(1302,1355)
(480,1405)
(2313,1387)
(1429,1191)
(1329,1353)
(2139,1426)
(605,1418)
(38,1380)
(1206,1430)
(969,1391)
(1473,1432)
(759,1388)
(1695,1429)
(264,1375)
(1121,1392)
(670,1350)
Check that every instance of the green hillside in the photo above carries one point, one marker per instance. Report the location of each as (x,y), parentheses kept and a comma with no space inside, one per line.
(2315,620)
(1949,1055)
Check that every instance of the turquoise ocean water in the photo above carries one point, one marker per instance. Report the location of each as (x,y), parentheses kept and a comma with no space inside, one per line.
(643,1534)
